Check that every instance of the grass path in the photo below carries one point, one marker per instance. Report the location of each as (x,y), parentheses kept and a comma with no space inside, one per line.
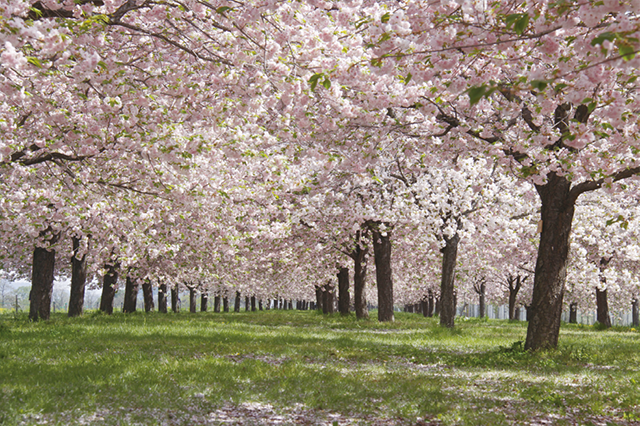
(291,367)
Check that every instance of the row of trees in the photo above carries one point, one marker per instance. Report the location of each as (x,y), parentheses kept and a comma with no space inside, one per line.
(265,146)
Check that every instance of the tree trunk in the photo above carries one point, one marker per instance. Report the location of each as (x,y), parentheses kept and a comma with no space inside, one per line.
(635,313)
(216,304)
(162,298)
(175,299)
(482,297)
(291,304)
(343,291)
(130,295)
(384,278)
(431,304)
(253,303)
(109,282)
(436,307)
(236,302)
(225,304)
(447,282)
(42,275)
(192,300)
(260,305)
(204,302)
(319,299)
(512,305)
(147,293)
(78,280)
(573,313)
(603,308)
(551,265)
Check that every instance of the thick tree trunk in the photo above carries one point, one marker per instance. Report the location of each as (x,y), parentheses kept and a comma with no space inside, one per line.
(236,302)
(573,313)
(162,298)
(253,303)
(192,300)
(482,297)
(384,277)
(635,313)
(247,303)
(204,302)
(343,291)
(602,308)
(42,275)
(260,305)
(551,265)
(130,295)
(513,294)
(447,282)
(516,314)
(225,304)
(319,299)
(147,293)
(78,280)
(431,303)
(175,299)
(109,282)
(216,303)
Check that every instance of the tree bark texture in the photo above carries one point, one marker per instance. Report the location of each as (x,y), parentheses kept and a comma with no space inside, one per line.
(481,290)
(42,275)
(253,303)
(551,265)
(343,291)
(602,308)
(225,304)
(247,304)
(635,313)
(204,301)
(216,303)
(515,284)
(328,302)
(319,299)
(193,300)
(384,278)
(130,295)
(78,280)
(162,298)
(447,282)
(147,294)
(175,299)
(236,302)
(109,282)
(573,313)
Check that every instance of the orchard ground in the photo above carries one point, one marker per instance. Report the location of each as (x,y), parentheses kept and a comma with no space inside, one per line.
(294,367)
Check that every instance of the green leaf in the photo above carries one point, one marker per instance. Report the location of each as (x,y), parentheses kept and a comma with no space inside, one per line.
(521,24)
(326,83)
(102,65)
(407,79)
(476,93)
(627,51)
(34,61)
(313,80)
(539,84)
(385,18)
(604,36)
(222,9)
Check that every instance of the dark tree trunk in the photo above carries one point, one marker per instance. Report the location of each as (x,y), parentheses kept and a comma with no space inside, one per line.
(216,304)
(78,280)
(109,282)
(247,304)
(275,303)
(516,314)
(481,290)
(431,304)
(603,308)
(551,265)
(175,299)
(253,303)
(236,302)
(573,313)
(225,304)
(42,275)
(290,304)
(328,303)
(192,300)
(260,305)
(447,282)
(147,293)
(635,313)
(343,291)
(436,307)
(130,295)
(384,278)
(319,299)
(514,285)
(204,302)
(162,298)
(424,307)
(360,277)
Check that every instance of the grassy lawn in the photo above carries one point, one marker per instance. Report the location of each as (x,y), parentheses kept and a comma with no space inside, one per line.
(291,367)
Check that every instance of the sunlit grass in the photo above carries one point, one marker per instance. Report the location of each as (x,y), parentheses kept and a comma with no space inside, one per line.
(154,367)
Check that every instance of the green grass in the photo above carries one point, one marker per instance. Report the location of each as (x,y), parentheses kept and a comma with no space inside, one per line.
(179,369)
